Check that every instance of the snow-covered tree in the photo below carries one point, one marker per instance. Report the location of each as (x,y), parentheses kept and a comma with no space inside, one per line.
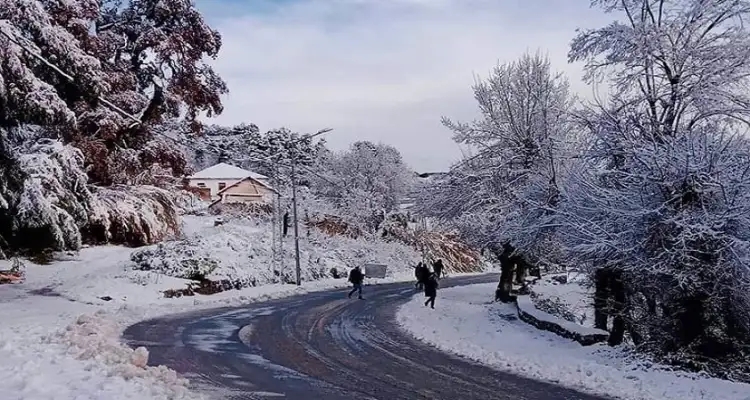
(508,192)
(100,67)
(364,183)
(29,87)
(154,56)
(659,205)
(269,153)
(676,62)
(96,75)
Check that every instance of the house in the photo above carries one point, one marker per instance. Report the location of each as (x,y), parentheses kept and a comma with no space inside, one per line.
(247,190)
(214,183)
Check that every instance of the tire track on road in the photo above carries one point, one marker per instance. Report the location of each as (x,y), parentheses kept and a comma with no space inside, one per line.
(325,346)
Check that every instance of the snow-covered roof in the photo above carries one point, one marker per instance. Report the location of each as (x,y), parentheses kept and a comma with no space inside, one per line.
(226,171)
(264,184)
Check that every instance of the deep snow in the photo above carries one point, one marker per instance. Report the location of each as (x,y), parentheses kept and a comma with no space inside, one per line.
(467,322)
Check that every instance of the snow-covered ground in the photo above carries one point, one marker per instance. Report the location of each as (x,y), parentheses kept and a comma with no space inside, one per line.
(60,330)
(466,321)
(572,300)
(241,250)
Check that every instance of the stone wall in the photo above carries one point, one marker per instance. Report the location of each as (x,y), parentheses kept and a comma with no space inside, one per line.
(541,320)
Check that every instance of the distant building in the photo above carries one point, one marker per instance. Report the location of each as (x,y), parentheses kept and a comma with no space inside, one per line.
(248,190)
(229,184)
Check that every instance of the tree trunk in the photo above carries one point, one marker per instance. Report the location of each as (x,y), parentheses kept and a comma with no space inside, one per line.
(521,268)
(507,266)
(601,297)
(617,289)
(690,318)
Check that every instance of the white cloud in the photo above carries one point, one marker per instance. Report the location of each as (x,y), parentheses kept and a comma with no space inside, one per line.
(383,70)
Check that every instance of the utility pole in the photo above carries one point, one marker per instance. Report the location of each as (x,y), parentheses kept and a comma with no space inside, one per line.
(294,205)
(296,229)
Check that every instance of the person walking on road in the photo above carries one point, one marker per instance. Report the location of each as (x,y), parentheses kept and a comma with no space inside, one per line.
(356,277)
(421,273)
(417,276)
(430,290)
(437,267)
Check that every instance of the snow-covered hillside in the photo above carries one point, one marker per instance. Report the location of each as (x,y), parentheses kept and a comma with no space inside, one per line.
(240,250)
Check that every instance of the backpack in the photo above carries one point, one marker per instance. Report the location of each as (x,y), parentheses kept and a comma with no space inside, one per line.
(355,276)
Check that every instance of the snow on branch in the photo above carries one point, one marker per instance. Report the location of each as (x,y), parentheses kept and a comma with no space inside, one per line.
(133,215)
(54,200)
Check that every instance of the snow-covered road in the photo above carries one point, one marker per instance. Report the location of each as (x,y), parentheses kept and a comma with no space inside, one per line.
(325,346)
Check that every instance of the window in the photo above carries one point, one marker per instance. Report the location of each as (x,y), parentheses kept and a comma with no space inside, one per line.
(201,185)
(222,185)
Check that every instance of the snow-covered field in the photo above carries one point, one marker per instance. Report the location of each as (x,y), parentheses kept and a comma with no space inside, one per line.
(60,331)
(466,321)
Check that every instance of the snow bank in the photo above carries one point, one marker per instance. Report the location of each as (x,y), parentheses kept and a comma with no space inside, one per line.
(468,323)
(96,337)
(240,250)
(41,360)
(567,296)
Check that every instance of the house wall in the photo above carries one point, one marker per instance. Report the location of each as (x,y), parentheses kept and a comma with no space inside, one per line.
(248,191)
(211,184)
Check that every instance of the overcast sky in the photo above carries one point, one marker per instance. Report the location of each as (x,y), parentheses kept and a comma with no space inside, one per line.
(381,70)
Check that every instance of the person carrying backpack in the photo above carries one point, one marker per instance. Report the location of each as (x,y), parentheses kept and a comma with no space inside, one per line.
(356,277)
(418,275)
(430,290)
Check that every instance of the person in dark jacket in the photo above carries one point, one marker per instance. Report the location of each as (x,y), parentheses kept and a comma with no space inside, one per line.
(421,273)
(430,290)
(418,276)
(437,267)
(356,277)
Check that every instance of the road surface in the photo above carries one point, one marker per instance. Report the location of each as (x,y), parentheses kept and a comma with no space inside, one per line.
(325,346)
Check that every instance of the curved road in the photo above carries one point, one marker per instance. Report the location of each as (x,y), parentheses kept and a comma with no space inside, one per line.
(325,346)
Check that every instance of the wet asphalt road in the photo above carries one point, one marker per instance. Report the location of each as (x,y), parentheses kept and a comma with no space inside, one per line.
(325,346)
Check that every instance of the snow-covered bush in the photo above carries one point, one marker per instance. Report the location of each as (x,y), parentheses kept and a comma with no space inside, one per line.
(252,210)
(54,208)
(241,251)
(675,220)
(189,201)
(132,215)
(456,254)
